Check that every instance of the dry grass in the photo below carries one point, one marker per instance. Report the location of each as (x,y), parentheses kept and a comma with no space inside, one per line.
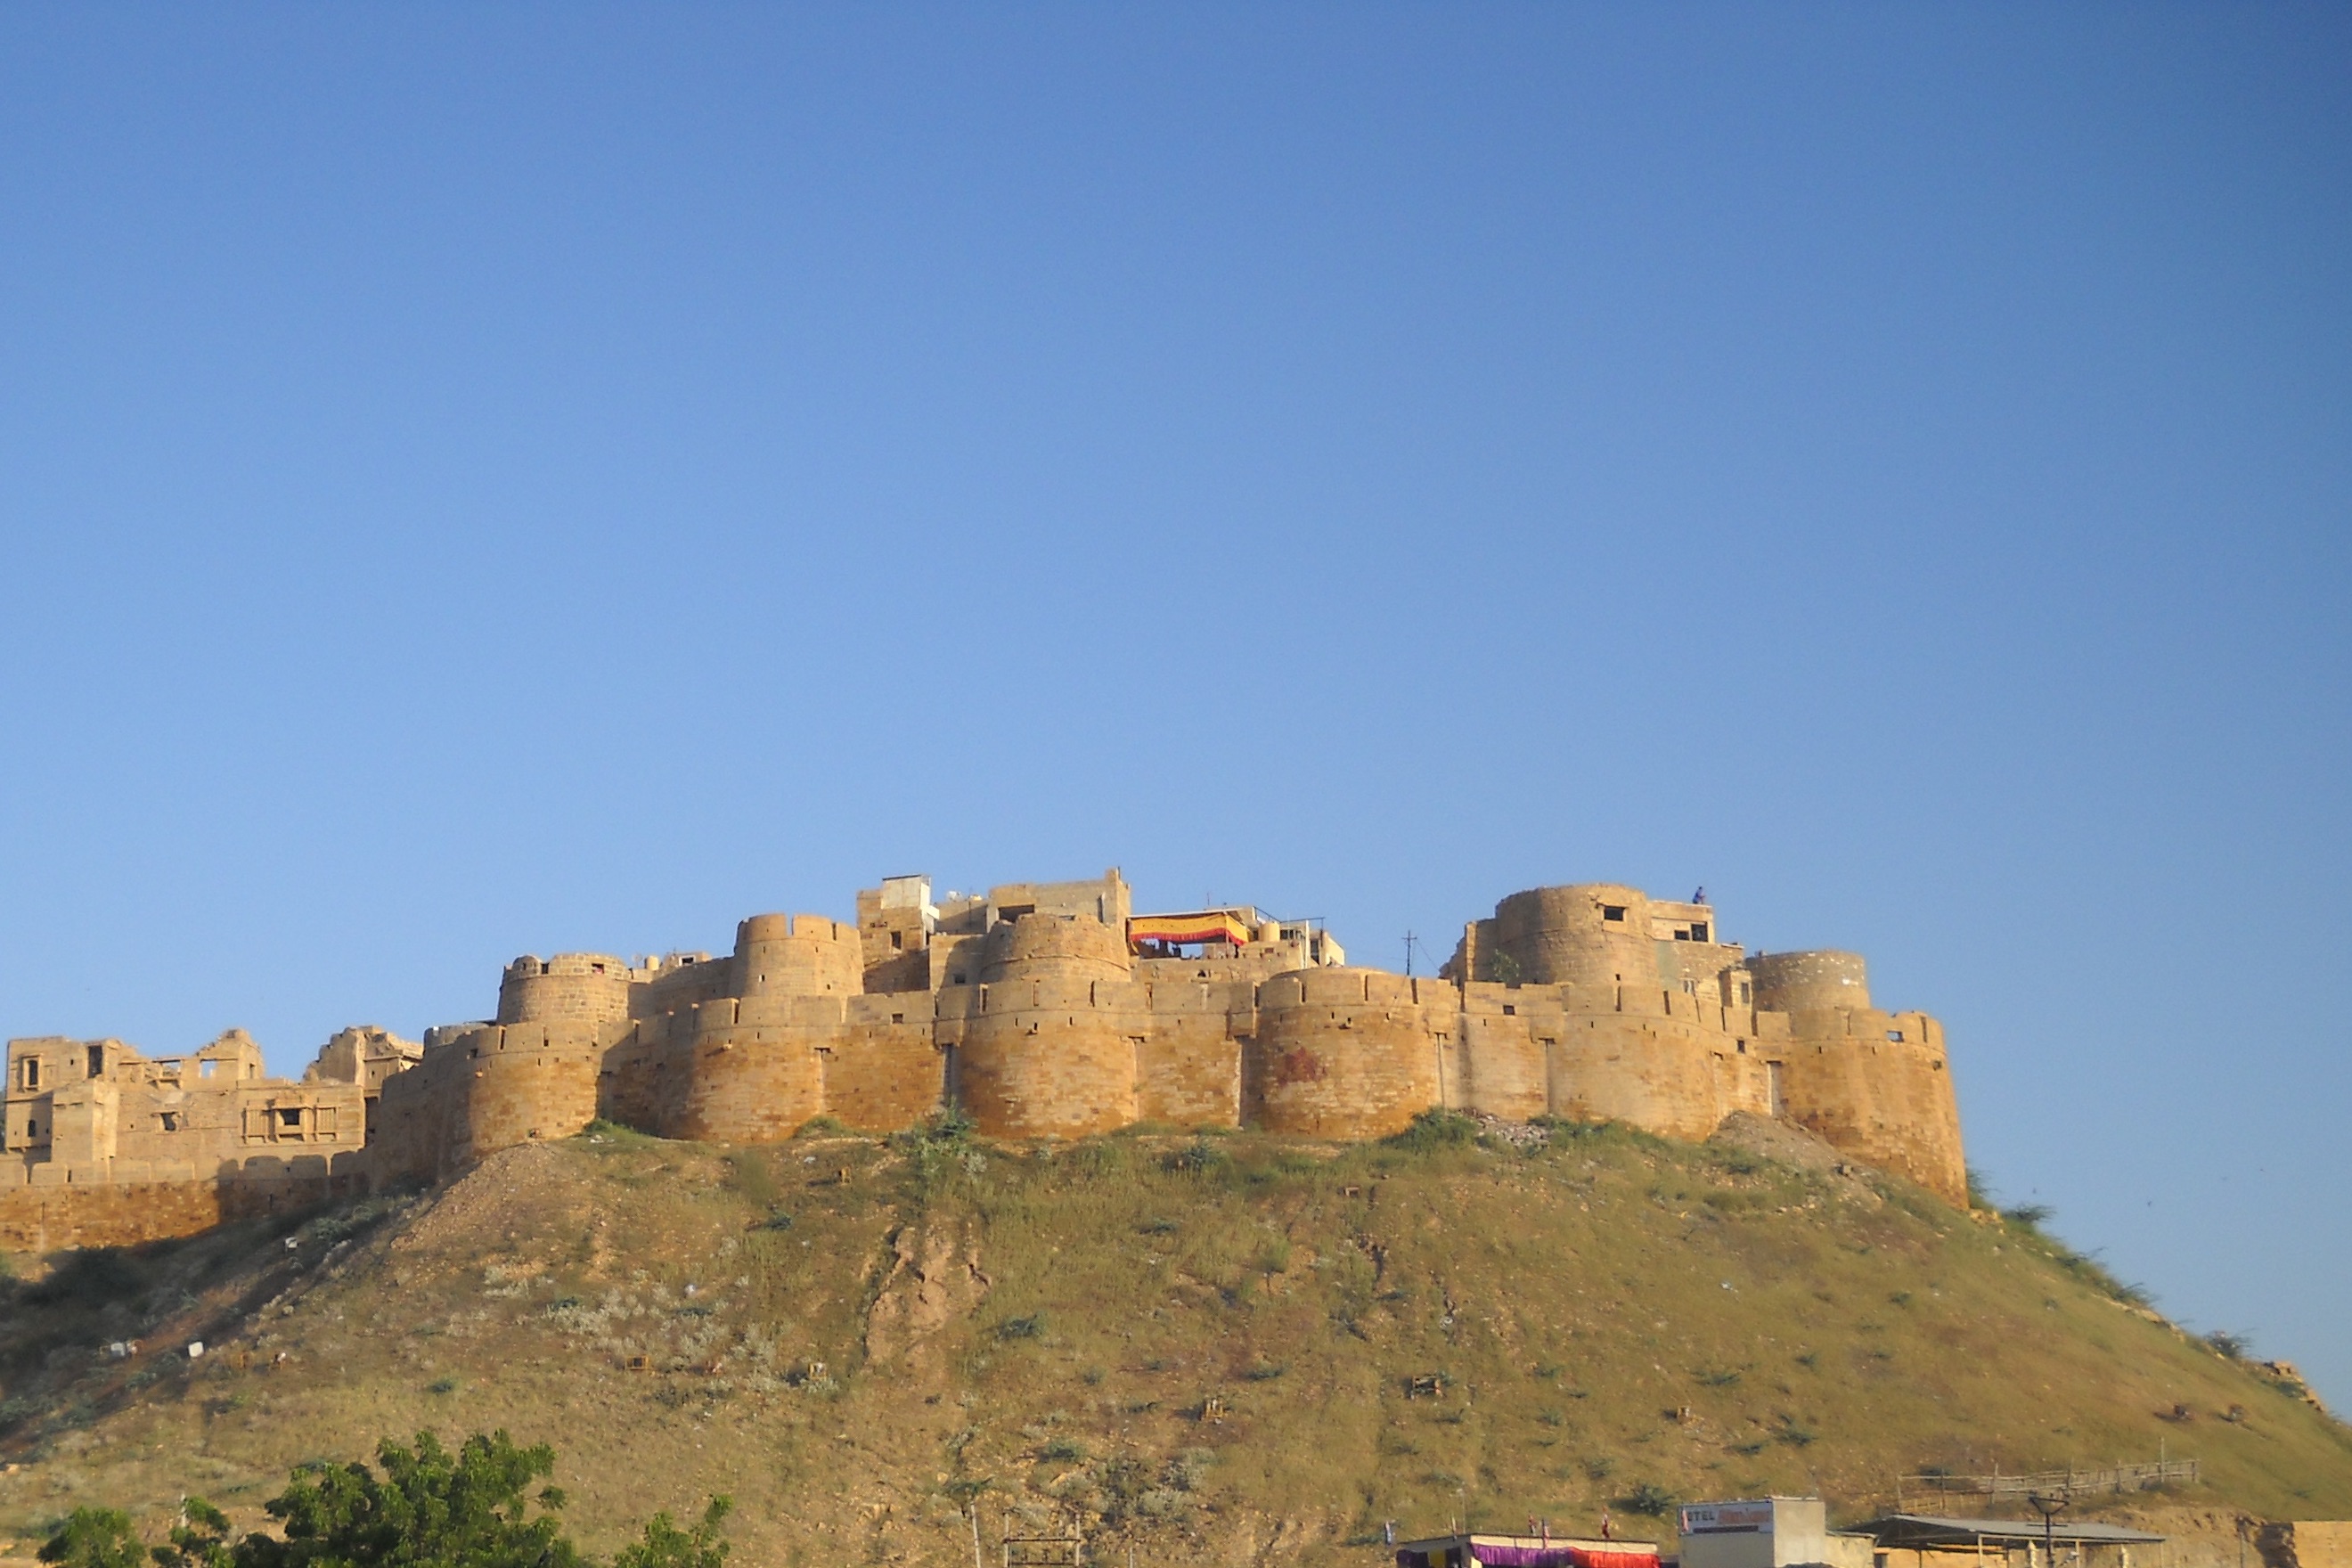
(1609,1319)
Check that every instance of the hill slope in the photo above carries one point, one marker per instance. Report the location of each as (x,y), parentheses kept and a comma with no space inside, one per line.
(850,1336)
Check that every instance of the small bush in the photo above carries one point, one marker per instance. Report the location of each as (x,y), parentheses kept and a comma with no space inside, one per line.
(1436,1128)
(821,1127)
(1199,1157)
(2236,1346)
(1063,1450)
(442,1385)
(1648,1498)
(2029,1216)
(1029,1328)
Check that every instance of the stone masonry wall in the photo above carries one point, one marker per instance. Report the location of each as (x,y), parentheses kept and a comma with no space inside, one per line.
(1591,1002)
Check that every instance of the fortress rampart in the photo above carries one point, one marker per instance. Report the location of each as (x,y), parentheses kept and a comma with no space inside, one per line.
(1039,1010)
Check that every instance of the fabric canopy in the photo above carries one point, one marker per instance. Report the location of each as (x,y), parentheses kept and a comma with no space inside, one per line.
(1495,1554)
(1208,925)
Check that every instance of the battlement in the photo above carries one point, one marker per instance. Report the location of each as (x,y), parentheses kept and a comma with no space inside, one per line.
(1045,1009)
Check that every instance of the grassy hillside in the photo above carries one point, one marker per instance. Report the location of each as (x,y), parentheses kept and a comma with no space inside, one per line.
(853,1337)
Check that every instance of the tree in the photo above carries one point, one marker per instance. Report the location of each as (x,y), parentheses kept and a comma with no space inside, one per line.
(666,1546)
(467,1509)
(95,1538)
(428,1508)
(200,1540)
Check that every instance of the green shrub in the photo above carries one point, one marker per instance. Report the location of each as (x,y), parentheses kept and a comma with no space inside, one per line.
(1199,1157)
(95,1538)
(1436,1128)
(1648,1498)
(416,1504)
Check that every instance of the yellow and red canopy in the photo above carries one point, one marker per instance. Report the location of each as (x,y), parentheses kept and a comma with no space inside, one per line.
(1203,925)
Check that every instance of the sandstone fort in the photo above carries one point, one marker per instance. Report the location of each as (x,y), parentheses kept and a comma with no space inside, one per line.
(1039,1010)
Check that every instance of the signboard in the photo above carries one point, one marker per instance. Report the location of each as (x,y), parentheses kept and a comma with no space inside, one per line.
(1727,1518)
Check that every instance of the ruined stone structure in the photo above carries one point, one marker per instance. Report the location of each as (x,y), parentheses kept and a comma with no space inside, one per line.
(1040,1010)
(104,1145)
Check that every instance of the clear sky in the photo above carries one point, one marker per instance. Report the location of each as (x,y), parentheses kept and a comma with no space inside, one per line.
(499,479)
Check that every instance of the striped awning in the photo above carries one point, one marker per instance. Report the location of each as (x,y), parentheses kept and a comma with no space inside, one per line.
(1201,925)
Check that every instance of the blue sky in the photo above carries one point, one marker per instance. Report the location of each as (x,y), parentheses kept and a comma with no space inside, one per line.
(488,480)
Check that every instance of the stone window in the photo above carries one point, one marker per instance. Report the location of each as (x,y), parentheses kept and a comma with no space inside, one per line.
(897,940)
(1509,1011)
(290,1120)
(1613,911)
(1895,1035)
(29,1074)
(97,1061)
(1698,931)
(204,1068)
(326,1120)
(171,1121)
(1743,991)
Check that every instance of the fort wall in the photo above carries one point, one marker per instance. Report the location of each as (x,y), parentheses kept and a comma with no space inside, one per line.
(1029,1010)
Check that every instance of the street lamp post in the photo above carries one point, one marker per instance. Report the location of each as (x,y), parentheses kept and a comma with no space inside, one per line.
(2050,1508)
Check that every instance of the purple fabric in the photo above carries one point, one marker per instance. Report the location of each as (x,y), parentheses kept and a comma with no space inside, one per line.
(1526,1556)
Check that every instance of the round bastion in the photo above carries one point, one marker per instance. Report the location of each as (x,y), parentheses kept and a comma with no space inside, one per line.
(1343,1053)
(1809,982)
(1040,947)
(797,955)
(1053,1052)
(1589,934)
(571,987)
